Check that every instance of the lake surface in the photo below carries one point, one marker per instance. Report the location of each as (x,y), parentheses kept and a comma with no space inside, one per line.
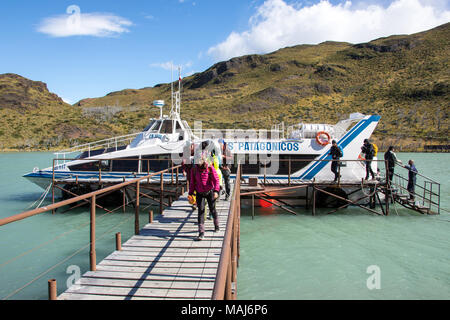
(339,256)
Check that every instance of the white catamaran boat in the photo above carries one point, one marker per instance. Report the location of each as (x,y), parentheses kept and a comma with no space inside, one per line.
(299,153)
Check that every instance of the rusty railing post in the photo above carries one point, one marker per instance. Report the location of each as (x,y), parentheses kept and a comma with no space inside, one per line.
(99,173)
(53,185)
(228,288)
(150,216)
(176,184)
(92,254)
(136,212)
(52,290)
(118,241)
(161,196)
(289,171)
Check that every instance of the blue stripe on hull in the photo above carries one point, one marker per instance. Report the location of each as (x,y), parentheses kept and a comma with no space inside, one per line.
(343,142)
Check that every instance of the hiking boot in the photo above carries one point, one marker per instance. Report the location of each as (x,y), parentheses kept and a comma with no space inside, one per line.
(216,228)
(227,197)
(200,237)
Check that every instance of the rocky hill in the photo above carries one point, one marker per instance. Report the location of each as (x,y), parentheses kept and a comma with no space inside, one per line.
(403,78)
(32,118)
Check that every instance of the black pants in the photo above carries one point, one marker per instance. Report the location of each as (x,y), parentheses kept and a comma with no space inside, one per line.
(411,188)
(226,178)
(335,168)
(369,169)
(201,209)
(390,174)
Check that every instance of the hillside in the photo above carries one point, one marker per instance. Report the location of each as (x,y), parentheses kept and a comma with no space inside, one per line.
(403,78)
(32,118)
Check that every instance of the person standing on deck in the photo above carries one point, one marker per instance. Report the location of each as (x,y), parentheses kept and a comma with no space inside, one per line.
(369,152)
(225,167)
(411,179)
(205,182)
(336,153)
(391,158)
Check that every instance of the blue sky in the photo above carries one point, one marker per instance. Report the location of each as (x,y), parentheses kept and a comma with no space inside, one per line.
(87,49)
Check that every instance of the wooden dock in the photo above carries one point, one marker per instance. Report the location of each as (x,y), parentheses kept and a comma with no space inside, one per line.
(163,262)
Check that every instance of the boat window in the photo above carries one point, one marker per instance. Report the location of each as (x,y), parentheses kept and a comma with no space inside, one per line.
(167,127)
(156,125)
(155,163)
(91,166)
(126,164)
(150,125)
(178,127)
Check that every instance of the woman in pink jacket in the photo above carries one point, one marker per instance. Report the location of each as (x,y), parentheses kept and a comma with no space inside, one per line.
(205,181)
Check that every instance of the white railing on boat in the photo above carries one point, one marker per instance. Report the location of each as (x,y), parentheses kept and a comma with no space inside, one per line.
(111,143)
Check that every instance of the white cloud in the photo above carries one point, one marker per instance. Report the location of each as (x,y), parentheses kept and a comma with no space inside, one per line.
(277,24)
(169,65)
(69,101)
(75,23)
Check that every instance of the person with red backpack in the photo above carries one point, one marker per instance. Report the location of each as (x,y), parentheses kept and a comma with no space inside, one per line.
(205,182)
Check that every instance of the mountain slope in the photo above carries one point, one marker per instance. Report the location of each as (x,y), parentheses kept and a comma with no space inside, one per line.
(33,118)
(403,78)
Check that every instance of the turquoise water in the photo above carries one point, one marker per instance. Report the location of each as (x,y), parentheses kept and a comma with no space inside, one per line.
(282,256)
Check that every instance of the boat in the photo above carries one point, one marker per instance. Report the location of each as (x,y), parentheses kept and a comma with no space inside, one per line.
(298,153)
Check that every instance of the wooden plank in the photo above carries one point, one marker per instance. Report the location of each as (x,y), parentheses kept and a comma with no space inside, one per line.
(145,284)
(145,264)
(149,276)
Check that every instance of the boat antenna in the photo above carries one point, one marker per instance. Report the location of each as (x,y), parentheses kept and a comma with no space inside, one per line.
(171,88)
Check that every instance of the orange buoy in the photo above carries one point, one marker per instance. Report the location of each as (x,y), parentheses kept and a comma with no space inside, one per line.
(323,138)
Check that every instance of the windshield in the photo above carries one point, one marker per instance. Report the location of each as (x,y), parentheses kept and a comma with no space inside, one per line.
(167,127)
(149,125)
(153,126)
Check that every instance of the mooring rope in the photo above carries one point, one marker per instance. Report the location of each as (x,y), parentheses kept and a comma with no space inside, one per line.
(370,194)
(43,196)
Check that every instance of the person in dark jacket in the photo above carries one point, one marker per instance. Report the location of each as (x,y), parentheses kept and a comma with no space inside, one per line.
(205,182)
(391,158)
(412,172)
(225,167)
(336,153)
(369,152)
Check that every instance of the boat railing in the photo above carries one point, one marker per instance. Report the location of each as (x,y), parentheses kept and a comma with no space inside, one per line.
(252,134)
(426,194)
(110,144)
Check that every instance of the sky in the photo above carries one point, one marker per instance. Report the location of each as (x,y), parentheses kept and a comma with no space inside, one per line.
(85,49)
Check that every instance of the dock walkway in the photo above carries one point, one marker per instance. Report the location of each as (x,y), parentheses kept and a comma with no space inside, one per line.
(162,262)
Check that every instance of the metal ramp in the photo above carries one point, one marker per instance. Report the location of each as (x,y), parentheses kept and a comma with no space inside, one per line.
(426,195)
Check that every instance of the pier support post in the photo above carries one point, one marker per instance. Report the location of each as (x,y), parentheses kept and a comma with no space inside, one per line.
(92,254)
(52,290)
(123,200)
(118,241)
(150,216)
(314,201)
(253,207)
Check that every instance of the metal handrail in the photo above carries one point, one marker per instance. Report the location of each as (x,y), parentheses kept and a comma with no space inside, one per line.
(227,269)
(30,213)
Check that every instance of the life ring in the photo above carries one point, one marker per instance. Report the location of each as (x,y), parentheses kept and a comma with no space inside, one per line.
(320,140)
